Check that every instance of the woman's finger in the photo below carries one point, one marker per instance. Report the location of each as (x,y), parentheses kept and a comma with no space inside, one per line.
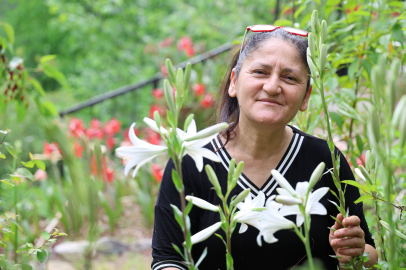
(353,242)
(351,221)
(351,251)
(349,232)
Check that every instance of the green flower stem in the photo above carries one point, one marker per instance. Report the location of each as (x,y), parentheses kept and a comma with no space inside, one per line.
(306,238)
(16,218)
(178,168)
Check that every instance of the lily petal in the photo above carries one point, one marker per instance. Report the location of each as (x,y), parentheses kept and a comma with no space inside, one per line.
(243,228)
(153,125)
(283,182)
(208,131)
(204,234)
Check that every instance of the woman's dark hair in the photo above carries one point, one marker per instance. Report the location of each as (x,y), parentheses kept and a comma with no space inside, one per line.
(228,109)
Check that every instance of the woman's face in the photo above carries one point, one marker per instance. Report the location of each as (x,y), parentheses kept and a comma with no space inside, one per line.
(271,86)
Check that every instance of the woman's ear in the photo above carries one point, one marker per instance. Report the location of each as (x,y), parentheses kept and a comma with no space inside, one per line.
(231,89)
(305,101)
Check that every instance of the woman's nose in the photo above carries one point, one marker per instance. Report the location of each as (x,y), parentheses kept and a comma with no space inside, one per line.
(272,85)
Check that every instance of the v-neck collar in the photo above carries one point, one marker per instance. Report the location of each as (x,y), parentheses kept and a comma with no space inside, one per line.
(284,164)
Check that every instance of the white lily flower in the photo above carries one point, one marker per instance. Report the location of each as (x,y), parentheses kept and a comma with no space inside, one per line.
(194,142)
(141,152)
(271,222)
(313,206)
(202,203)
(153,125)
(204,234)
(283,182)
(246,215)
(288,200)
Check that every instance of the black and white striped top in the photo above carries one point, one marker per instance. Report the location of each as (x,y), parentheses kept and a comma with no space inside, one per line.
(304,153)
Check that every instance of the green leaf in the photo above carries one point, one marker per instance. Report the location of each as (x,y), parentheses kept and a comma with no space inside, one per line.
(2,155)
(37,86)
(10,149)
(397,33)
(47,58)
(26,266)
(353,183)
(15,178)
(42,256)
(363,198)
(201,257)
(336,118)
(52,72)
(7,182)
(360,144)
(50,108)
(45,235)
(29,164)
(15,223)
(175,247)
(283,22)
(9,31)
(26,173)
(40,164)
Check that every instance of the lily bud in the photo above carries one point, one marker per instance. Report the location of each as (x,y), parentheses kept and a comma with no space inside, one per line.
(283,182)
(206,233)
(313,68)
(241,197)
(398,233)
(312,46)
(314,178)
(323,31)
(213,180)
(188,121)
(365,174)
(171,71)
(374,125)
(400,108)
(179,80)
(202,203)
(169,96)
(288,200)
(315,22)
(368,159)
(208,131)
(188,70)
(323,56)
(157,119)
(231,169)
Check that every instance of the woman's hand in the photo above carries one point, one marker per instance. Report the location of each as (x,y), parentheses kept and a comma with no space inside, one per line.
(347,242)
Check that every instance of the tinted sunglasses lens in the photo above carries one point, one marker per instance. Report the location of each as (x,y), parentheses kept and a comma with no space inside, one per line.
(262,28)
(295,31)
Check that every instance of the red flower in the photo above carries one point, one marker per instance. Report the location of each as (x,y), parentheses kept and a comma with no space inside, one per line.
(110,175)
(166,42)
(95,123)
(112,127)
(126,131)
(207,101)
(199,89)
(154,108)
(50,148)
(184,43)
(157,172)
(357,7)
(78,150)
(110,142)
(348,10)
(395,14)
(190,52)
(95,133)
(164,71)
(76,127)
(361,160)
(152,137)
(158,93)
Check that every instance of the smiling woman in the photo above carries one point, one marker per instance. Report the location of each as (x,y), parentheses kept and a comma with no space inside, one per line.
(264,88)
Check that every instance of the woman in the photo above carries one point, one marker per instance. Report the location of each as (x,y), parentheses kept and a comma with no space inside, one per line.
(264,88)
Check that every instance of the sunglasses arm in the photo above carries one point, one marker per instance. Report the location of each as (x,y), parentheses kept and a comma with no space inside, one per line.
(245,34)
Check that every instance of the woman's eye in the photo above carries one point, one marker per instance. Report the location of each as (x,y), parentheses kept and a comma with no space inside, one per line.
(291,78)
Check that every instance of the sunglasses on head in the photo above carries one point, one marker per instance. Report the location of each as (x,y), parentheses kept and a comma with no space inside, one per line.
(270,28)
